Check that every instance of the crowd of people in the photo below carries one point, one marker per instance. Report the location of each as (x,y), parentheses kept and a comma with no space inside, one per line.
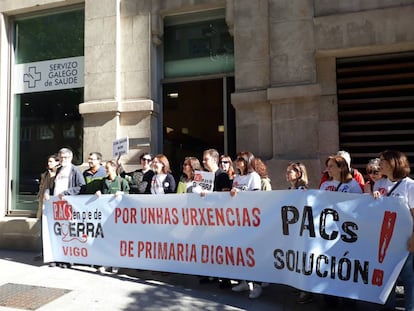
(387,175)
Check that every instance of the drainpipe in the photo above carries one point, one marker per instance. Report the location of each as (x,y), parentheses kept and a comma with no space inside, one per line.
(118,95)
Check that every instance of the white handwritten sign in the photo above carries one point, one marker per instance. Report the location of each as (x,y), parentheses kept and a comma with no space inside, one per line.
(120,147)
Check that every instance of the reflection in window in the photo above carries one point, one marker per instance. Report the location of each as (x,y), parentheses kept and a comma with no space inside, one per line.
(70,132)
(45,132)
(26,133)
(197,44)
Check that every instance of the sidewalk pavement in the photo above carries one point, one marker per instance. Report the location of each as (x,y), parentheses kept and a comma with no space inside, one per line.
(26,284)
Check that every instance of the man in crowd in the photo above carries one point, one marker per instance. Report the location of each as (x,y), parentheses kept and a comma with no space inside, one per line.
(68,181)
(94,174)
(222,182)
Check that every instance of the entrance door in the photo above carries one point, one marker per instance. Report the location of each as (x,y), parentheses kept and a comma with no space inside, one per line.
(197,115)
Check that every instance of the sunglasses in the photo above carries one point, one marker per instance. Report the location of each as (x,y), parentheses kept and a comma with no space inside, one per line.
(146,159)
(372,172)
(224,162)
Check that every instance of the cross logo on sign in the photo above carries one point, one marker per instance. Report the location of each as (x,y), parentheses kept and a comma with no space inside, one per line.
(32,77)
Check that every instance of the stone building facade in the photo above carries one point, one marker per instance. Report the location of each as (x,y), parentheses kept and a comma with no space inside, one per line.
(285,76)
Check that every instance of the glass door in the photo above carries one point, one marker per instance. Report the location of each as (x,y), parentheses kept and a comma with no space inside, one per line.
(197,115)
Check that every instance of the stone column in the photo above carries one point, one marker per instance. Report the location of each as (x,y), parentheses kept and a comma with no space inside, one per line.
(118,99)
(251,54)
(293,94)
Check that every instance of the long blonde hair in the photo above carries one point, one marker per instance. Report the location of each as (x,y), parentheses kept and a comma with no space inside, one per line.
(300,169)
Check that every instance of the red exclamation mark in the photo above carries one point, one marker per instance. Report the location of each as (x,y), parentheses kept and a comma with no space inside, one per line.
(387,230)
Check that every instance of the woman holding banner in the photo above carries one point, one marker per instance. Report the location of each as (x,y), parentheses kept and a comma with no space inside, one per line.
(163,181)
(246,179)
(186,184)
(340,178)
(112,183)
(395,166)
(297,177)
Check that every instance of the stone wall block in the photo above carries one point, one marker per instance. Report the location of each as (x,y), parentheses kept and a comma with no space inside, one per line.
(99,8)
(254,131)
(93,32)
(293,68)
(251,47)
(295,128)
(368,28)
(326,74)
(135,84)
(109,30)
(332,7)
(100,132)
(328,108)
(103,86)
(292,53)
(106,56)
(328,138)
(295,137)
(291,36)
(282,10)
(253,74)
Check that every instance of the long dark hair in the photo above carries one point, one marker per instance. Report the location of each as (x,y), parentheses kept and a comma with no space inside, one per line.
(398,161)
(248,159)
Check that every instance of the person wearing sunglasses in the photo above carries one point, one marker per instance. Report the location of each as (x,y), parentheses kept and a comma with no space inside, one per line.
(373,175)
(226,164)
(140,179)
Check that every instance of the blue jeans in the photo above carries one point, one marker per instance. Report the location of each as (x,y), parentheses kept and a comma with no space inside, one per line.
(407,279)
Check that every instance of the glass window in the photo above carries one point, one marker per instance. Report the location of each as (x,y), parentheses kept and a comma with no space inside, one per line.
(197,47)
(44,120)
(51,36)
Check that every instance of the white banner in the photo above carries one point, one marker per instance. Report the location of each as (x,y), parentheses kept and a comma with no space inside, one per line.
(324,242)
(56,74)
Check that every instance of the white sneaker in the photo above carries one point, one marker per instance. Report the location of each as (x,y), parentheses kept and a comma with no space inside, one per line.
(256,291)
(242,286)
